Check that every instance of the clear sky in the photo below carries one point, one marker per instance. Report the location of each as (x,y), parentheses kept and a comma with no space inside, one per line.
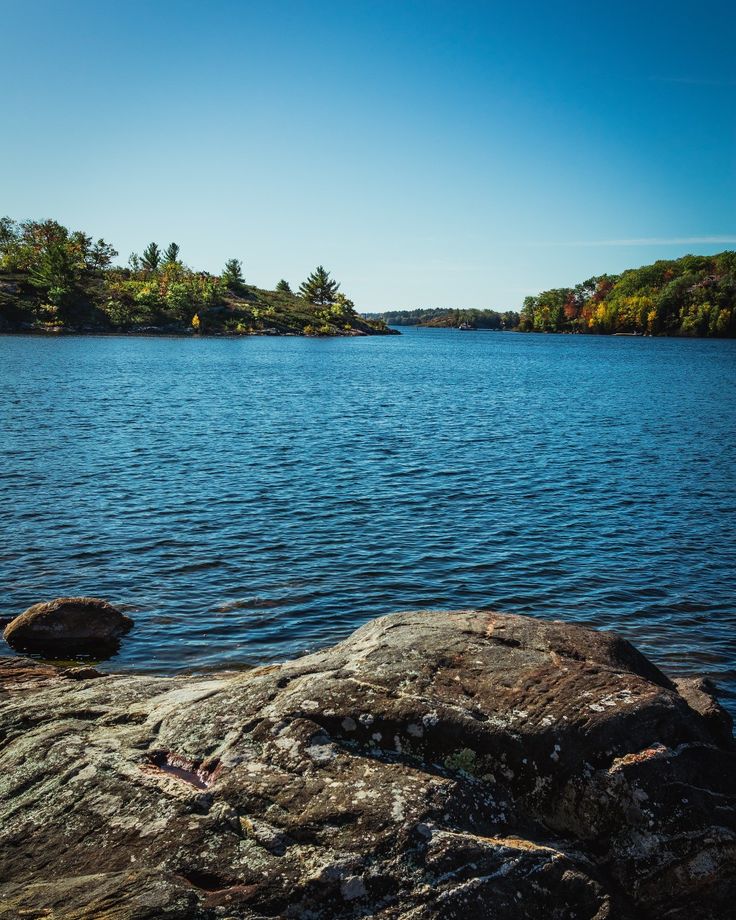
(427,153)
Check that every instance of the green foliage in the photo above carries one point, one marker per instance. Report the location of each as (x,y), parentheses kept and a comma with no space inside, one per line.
(171,254)
(52,275)
(101,255)
(55,272)
(283,287)
(151,258)
(233,273)
(8,231)
(120,314)
(319,288)
(340,307)
(53,260)
(173,296)
(480,319)
(24,245)
(694,295)
(178,300)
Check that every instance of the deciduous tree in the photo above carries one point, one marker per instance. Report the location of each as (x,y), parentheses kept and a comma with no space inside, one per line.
(101,255)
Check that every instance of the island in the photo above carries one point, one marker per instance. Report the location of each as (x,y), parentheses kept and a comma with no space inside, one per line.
(54,280)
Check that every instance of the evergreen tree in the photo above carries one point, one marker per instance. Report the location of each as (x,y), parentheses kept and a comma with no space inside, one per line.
(283,287)
(151,258)
(8,234)
(55,273)
(171,254)
(233,273)
(319,288)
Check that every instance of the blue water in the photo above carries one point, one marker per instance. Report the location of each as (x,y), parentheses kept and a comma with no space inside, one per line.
(254,498)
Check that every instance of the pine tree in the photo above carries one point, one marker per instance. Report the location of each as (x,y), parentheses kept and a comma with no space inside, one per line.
(151,258)
(171,254)
(319,288)
(233,273)
(55,272)
(283,287)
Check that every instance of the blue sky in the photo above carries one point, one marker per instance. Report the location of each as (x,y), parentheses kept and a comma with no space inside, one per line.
(427,153)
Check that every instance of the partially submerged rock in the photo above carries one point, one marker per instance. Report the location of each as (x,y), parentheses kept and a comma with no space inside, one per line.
(433,765)
(68,625)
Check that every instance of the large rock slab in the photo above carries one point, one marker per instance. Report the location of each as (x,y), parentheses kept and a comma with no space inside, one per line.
(68,626)
(434,765)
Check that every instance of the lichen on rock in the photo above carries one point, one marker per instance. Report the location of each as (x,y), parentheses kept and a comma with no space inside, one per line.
(433,765)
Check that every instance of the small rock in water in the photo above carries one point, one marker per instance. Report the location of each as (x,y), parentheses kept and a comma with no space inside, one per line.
(68,626)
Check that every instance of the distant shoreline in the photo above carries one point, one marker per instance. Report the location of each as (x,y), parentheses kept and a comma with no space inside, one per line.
(565,332)
(185,334)
(390,330)
(692,297)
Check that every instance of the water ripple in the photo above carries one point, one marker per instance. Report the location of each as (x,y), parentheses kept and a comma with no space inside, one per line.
(257,498)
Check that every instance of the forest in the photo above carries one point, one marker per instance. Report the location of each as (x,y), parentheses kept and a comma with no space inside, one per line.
(690,296)
(56,280)
(445,316)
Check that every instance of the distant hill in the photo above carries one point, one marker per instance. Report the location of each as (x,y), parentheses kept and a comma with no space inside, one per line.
(691,296)
(446,317)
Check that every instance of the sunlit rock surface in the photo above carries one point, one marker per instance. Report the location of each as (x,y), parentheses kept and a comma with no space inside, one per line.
(434,765)
(68,625)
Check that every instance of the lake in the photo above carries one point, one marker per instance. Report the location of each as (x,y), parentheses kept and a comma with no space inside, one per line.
(253,498)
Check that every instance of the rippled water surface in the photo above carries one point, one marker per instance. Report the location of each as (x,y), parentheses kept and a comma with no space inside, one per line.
(254,498)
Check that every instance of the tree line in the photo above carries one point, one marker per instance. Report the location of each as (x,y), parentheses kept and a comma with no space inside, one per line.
(66,278)
(693,295)
(444,316)
(690,296)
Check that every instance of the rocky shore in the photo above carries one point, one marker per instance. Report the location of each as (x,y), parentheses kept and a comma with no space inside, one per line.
(433,765)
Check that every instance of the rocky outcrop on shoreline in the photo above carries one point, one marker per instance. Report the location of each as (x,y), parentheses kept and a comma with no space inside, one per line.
(433,765)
